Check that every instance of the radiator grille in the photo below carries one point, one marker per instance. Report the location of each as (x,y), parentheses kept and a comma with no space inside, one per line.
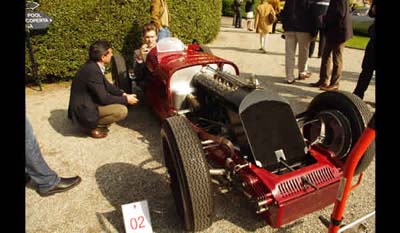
(295,185)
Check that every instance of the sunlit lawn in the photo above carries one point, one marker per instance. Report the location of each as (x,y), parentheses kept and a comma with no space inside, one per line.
(357,42)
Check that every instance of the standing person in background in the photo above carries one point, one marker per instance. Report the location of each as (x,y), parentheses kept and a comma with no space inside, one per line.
(298,26)
(234,13)
(369,60)
(249,7)
(37,170)
(160,17)
(276,4)
(94,102)
(338,29)
(238,12)
(318,10)
(263,23)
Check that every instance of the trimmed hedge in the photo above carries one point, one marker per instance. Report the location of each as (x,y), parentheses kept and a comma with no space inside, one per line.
(63,47)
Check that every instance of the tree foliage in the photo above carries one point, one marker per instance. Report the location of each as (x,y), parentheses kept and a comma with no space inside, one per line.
(63,47)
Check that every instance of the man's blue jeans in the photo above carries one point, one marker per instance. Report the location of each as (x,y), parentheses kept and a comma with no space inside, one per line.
(35,166)
(163,33)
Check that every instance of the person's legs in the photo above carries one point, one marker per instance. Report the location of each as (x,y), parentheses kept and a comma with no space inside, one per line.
(249,17)
(274,26)
(238,23)
(368,67)
(290,50)
(304,39)
(321,44)
(311,49)
(325,67)
(263,42)
(111,113)
(163,33)
(265,35)
(35,166)
(363,82)
(337,57)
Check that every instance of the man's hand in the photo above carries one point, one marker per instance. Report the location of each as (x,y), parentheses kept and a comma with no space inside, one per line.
(138,56)
(131,98)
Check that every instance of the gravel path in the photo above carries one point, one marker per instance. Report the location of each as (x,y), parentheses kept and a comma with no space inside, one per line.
(127,165)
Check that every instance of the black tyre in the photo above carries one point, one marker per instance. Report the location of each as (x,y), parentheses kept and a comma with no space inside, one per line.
(189,173)
(342,118)
(119,73)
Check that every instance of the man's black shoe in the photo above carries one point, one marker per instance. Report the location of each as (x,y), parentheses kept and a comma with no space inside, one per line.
(64,185)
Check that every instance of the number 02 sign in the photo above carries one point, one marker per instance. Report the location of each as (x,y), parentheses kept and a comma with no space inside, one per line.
(136,217)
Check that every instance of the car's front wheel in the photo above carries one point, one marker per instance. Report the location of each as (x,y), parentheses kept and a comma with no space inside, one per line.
(189,173)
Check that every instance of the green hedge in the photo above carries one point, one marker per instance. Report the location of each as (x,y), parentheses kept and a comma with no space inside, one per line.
(63,47)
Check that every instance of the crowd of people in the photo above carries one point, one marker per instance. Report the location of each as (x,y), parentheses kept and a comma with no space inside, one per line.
(303,21)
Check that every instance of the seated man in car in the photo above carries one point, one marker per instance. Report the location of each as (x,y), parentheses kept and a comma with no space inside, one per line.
(141,71)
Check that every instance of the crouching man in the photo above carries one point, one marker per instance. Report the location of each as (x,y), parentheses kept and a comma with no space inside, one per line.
(94,102)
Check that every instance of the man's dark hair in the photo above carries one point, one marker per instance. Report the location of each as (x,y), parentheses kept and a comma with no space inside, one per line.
(97,49)
(149,27)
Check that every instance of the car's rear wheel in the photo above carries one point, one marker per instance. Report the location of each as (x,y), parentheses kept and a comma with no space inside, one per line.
(119,73)
(335,120)
(189,173)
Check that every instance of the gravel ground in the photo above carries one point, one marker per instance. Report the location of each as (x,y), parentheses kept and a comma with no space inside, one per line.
(127,165)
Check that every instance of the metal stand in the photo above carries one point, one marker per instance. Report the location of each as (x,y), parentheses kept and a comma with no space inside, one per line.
(34,65)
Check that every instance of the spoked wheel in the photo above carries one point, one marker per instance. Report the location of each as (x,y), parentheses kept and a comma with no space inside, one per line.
(119,73)
(189,173)
(335,120)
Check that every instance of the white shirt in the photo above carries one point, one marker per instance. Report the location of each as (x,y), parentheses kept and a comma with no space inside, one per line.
(102,67)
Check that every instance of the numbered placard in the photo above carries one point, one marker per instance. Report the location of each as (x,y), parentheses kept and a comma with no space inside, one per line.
(137,217)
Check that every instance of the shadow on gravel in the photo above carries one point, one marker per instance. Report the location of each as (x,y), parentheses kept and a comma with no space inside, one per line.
(246,50)
(346,75)
(61,124)
(142,120)
(122,183)
(234,207)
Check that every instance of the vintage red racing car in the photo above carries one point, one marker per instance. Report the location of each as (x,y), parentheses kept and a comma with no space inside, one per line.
(218,125)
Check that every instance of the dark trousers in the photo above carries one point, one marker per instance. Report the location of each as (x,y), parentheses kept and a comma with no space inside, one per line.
(238,18)
(274,26)
(336,50)
(368,67)
(321,45)
(278,19)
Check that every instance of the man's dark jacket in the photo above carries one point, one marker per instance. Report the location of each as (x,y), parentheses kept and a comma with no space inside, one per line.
(90,89)
(337,21)
(296,16)
(318,10)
